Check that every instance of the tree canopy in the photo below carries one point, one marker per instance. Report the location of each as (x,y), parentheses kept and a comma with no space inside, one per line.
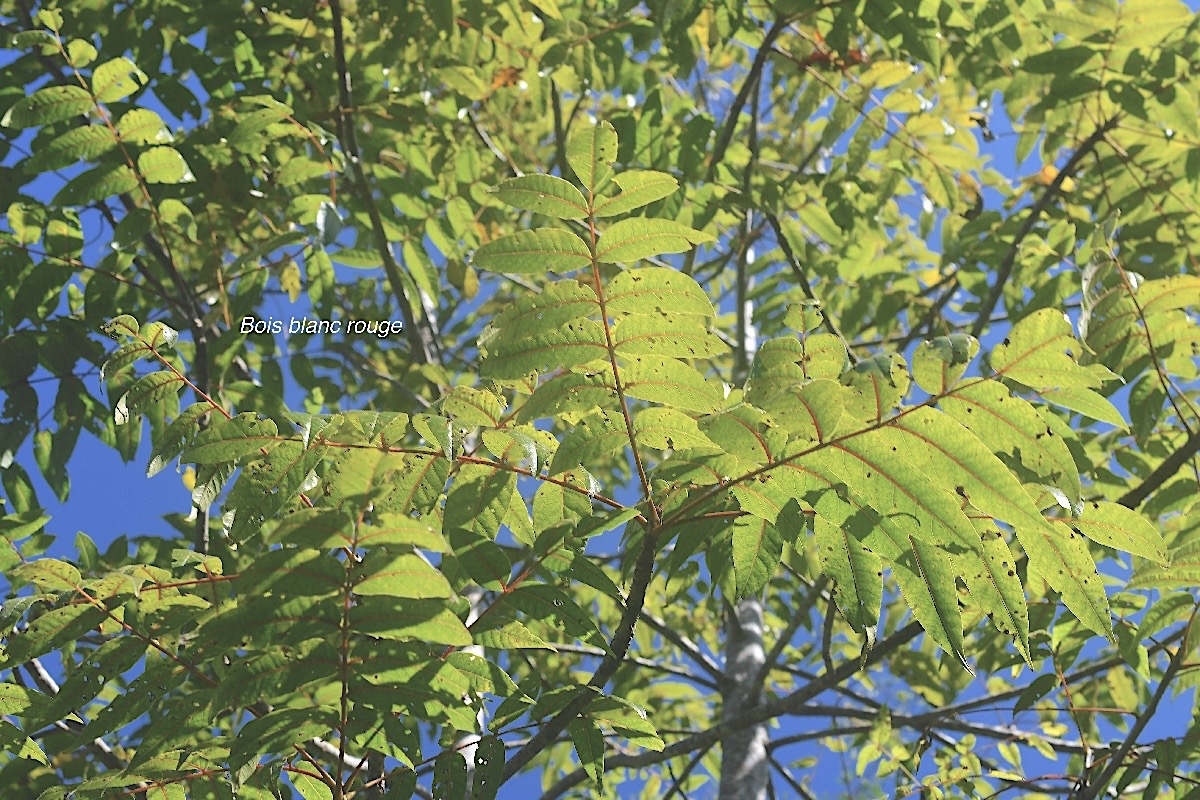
(661,398)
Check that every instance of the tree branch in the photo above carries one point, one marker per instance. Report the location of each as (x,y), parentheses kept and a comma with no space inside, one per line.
(1093,789)
(422,340)
(766,711)
(1005,270)
(735,108)
(802,279)
(1170,465)
(643,571)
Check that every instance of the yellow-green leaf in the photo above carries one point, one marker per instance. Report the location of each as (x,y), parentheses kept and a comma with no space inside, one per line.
(164,164)
(639,187)
(545,194)
(1123,528)
(46,106)
(638,238)
(537,250)
(591,152)
(116,80)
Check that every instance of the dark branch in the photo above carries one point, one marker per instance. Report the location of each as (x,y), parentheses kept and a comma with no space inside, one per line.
(423,343)
(643,571)
(1004,271)
(1170,465)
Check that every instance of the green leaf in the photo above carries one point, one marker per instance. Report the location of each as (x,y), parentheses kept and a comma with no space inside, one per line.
(535,251)
(568,394)
(142,126)
(576,342)
(535,313)
(1010,425)
(310,788)
(171,442)
(87,142)
(938,364)
(489,768)
(639,187)
(908,500)
(421,620)
(511,635)
(476,505)
(926,577)
(545,194)
(991,577)
(591,152)
(665,334)
(556,608)
(116,80)
(670,382)
(593,438)
(245,135)
(668,429)
(1122,528)
(399,575)
(97,183)
(1061,557)
(232,439)
(1041,351)
(1086,402)
(147,391)
(47,106)
(876,386)
(450,776)
(856,571)
(809,411)
(627,721)
(656,290)
(757,550)
(13,740)
(276,732)
(638,238)
(164,165)
(470,406)
(588,740)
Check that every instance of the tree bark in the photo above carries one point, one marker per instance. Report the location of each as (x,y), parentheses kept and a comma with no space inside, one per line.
(745,770)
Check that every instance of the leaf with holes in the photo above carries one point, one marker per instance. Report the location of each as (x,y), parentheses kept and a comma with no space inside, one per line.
(543,350)
(593,438)
(638,238)
(856,572)
(665,334)
(591,152)
(1116,526)
(670,382)
(668,429)
(809,411)
(1041,351)
(650,290)
(1009,425)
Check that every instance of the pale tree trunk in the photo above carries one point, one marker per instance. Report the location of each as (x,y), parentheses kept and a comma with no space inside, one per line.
(469,744)
(745,771)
